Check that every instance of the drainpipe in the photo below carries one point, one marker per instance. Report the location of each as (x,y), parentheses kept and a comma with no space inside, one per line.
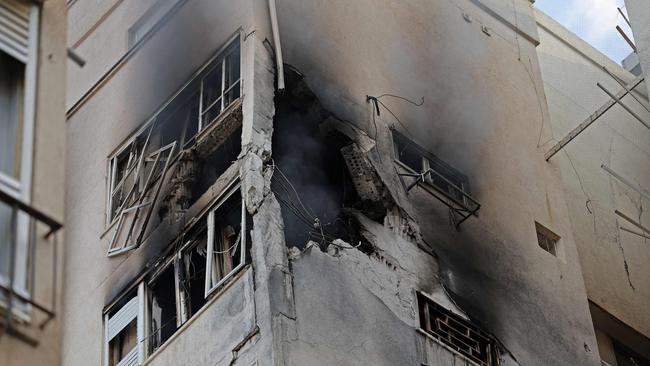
(276,41)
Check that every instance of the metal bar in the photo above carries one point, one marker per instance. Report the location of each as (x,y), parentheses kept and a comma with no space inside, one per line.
(624,17)
(623,180)
(631,221)
(31,211)
(620,102)
(635,233)
(589,121)
(13,235)
(626,38)
(642,102)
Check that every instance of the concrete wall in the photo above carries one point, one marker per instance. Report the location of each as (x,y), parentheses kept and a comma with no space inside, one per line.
(484,104)
(639,15)
(614,262)
(114,110)
(46,190)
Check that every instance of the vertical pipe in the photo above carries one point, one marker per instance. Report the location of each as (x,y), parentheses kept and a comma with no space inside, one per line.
(276,42)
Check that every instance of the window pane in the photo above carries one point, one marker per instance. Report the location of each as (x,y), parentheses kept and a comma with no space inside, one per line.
(192,282)
(212,89)
(162,308)
(226,254)
(11,95)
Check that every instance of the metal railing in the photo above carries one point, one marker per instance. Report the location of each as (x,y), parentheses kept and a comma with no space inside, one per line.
(11,297)
(464,207)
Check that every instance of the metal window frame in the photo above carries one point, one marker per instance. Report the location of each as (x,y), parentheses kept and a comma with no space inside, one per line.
(237,37)
(424,178)
(228,192)
(138,203)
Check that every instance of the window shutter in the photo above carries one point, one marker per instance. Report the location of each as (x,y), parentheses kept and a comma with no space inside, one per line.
(14,29)
(122,318)
(131,359)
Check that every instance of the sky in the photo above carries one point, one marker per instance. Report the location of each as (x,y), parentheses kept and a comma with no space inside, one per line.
(594,21)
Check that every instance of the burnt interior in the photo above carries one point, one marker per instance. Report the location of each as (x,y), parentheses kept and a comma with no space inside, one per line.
(310,180)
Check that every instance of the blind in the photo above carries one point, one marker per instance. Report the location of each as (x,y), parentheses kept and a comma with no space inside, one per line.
(122,318)
(14,28)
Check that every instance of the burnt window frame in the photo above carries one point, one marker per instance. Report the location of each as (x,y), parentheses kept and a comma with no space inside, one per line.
(454,193)
(491,350)
(173,259)
(233,44)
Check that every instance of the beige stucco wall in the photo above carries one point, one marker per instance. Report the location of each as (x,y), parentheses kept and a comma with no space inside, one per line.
(570,71)
(46,190)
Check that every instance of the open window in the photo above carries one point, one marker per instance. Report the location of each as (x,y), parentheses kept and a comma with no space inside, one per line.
(124,330)
(163,307)
(226,241)
(193,122)
(444,182)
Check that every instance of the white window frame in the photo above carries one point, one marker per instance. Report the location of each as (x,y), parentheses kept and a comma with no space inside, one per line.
(111,218)
(209,286)
(21,189)
(139,301)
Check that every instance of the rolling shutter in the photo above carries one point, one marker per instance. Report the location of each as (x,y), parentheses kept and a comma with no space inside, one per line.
(14,28)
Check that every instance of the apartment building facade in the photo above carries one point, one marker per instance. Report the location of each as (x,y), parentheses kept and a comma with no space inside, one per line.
(32,132)
(290,183)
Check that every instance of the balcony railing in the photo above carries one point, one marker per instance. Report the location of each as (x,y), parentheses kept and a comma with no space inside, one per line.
(22,310)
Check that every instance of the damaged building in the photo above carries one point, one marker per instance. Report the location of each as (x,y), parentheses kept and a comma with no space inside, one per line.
(348,183)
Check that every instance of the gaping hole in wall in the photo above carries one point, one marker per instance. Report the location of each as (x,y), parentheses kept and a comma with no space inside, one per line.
(162,308)
(311,180)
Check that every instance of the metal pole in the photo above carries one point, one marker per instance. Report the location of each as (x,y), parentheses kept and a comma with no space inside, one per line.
(624,17)
(626,38)
(643,104)
(635,233)
(589,121)
(641,191)
(617,100)
(631,221)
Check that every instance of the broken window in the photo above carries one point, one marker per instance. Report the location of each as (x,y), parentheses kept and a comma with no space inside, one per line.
(546,239)
(191,274)
(162,307)
(226,246)
(457,333)
(447,184)
(123,329)
(208,255)
(196,105)
(437,172)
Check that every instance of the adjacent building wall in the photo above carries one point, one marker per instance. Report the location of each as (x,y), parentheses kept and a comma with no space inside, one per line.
(613,261)
(46,191)
(639,14)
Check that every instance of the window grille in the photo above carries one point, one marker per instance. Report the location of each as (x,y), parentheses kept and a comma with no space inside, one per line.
(457,333)
(440,179)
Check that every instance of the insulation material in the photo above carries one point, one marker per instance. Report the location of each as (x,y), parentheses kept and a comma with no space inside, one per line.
(363,176)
